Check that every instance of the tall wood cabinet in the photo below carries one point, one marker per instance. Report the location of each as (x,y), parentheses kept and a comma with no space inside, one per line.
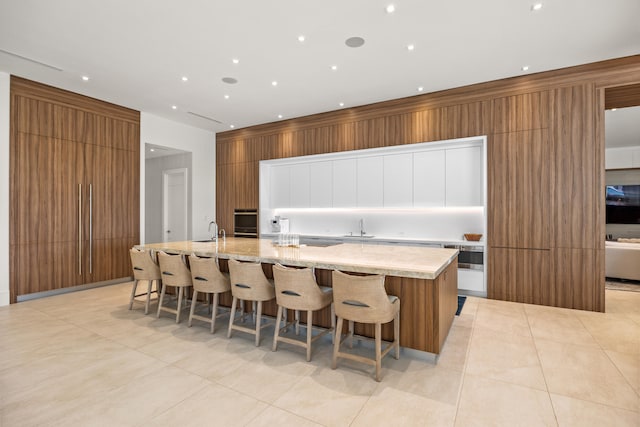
(74,189)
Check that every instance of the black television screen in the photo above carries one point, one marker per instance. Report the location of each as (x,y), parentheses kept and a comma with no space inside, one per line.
(623,204)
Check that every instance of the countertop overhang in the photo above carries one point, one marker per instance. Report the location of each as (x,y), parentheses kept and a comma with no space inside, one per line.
(397,260)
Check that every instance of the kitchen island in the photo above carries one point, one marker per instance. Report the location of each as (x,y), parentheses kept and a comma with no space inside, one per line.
(425,279)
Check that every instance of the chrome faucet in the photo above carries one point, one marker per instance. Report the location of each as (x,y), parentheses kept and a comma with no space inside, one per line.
(361,224)
(214,236)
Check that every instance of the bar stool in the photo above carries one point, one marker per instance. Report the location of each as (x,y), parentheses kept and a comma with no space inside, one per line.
(248,283)
(174,273)
(145,268)
(297,289)
(207,278)
(363,299)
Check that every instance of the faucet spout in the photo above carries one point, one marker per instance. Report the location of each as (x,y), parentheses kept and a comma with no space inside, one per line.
(214,235)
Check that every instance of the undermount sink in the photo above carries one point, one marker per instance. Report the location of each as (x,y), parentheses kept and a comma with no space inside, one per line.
(366,236)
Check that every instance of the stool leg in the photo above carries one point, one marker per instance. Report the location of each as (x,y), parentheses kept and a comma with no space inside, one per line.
(164,288)
(396,334)
(378,350)
(351,328)
(258,319)
(193,306)
(180,296)
(133,294)
(333,323)
(146,306)
(336,343)
(309,331)
(276,333)
(297,314)
(234,303)
(214,309)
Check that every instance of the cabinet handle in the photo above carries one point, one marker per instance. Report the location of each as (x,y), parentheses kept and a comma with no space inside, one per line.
(90,228)
(80,229)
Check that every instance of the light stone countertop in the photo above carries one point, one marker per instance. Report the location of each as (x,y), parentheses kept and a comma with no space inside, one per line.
(397,260)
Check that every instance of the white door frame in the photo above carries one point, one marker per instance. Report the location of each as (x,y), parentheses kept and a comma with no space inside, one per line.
(165,201)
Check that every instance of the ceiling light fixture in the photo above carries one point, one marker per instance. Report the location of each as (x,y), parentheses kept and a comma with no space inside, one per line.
(173,107)
(274,83)
(391,8)
(279,116)
(229,80)
(226,97)
(525,68)
(85,78)
(235,60)
(613,109)
(536,7)
(231,126)
(354,41)
(410,47)
(185,78)
(341,104)
(420,88)
(334,67)
(300,38)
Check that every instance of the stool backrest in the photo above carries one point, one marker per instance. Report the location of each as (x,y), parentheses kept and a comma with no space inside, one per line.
(174,270)
(361,298)
(248,281)
(144,265)
(297,289)
(206,275)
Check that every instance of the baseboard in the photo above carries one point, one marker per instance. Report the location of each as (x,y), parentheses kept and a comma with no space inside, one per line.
(61,291)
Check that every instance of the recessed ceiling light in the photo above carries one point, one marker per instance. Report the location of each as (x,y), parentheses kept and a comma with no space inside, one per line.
(229,80)
(391,8)
(173,107)
(341,104)
(300,38)
(354,41)
(525,68)
(420,88)
(279,116)
(274,83)
(334,67)
(235,60)
(410,47)
(536,7)
(185,78)
(231,126)
(226,97)
(85,78)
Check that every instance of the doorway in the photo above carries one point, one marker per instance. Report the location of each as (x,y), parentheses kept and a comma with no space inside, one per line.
(174,205)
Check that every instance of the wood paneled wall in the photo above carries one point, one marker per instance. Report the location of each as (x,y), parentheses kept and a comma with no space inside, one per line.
(545,168)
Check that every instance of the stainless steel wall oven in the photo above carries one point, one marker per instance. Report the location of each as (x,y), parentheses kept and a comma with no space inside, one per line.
(245,223)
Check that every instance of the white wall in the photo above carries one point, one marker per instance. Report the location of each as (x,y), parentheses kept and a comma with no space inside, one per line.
(202,145)
(4,188)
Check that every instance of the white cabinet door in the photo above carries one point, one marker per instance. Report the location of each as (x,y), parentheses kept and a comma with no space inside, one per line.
(344,183)
(300,185)
(463,177)
(320,184)
(369,182)
(398,180)
(618,158)
(280,187)
(471,280)
(428,179)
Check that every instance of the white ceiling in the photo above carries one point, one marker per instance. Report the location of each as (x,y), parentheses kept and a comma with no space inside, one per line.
(136,52)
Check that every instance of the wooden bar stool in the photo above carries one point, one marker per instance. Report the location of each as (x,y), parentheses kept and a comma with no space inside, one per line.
(207,278)
(248,283)
(363,299)
(145,268)
(174,273)
(297,289)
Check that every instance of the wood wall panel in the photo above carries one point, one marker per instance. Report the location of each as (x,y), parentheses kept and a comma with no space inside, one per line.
(577,281)
(521,275)
(577,188)
(521,112)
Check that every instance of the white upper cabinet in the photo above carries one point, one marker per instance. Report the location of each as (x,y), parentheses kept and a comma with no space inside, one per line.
(280,187)
(344,183)
(300,185)
(428,179)
(398,180)
(463,172)
(622,158)
(369,182)
(320,184)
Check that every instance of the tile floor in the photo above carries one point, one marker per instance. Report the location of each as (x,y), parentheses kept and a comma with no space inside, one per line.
(84,359)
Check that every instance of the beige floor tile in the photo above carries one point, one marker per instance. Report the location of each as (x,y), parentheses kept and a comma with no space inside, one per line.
(579,413)
(559,325)
(584,373)
(273,416)
(211,405)
(505,357)
(393,407)
(328,397)
(485,402)
(629,366)
(455,349)
(507,318)
(614,332)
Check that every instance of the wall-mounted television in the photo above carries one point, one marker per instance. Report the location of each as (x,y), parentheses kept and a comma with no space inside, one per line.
(623,204)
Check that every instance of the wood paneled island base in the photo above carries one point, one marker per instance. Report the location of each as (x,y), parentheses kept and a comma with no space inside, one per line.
(425,279)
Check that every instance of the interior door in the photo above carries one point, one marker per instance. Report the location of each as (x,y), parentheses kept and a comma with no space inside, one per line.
(174,211)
